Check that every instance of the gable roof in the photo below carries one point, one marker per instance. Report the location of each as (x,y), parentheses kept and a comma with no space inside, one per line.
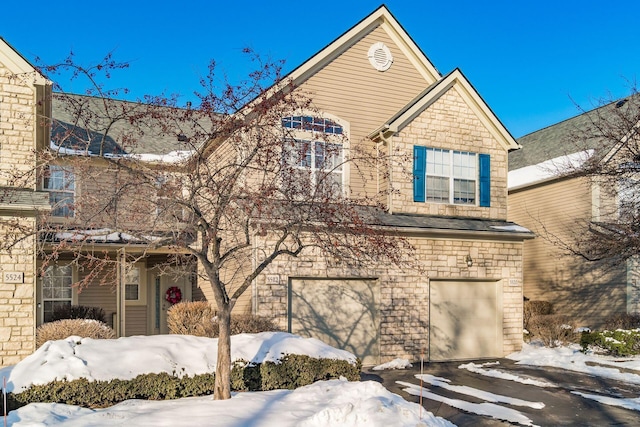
(560,140)
(379,17)
(99,134)
(432,93)
(17,64)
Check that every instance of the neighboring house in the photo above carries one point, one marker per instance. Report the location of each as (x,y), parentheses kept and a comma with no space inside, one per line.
(377,87)
(557,208)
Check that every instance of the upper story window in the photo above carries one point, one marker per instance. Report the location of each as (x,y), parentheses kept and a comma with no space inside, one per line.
(59,181)
(449,176)
(314,124)
(311,160)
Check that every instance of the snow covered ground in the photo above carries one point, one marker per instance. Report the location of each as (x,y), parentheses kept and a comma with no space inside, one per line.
(324,403)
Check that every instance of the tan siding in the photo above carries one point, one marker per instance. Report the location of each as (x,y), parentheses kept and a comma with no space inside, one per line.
(554,211)
(99,295)
(136,320)
(350,88)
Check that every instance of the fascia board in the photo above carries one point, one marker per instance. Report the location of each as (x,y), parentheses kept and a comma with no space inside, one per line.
(18,65)
(457,81)
(380,17)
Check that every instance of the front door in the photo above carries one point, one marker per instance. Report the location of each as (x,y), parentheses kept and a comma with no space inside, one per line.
(168,288)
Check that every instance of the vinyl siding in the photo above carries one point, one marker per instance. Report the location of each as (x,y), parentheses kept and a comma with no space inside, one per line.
(350,88)
(554,211)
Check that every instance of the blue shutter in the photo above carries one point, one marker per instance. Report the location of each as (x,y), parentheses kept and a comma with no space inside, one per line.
(419,169)
(485,180)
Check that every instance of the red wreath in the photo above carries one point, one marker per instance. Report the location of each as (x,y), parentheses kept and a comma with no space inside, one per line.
(174,295)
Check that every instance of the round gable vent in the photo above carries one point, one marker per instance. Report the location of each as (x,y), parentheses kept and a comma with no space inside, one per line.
(380,56)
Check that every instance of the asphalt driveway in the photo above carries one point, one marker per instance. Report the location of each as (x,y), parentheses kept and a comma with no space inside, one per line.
(561,406)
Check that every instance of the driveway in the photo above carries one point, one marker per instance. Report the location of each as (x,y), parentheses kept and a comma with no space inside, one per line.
(522,401)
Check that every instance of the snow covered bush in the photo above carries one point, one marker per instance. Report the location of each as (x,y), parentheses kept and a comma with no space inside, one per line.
(198,318)
(61,329)
(552,329)
(291,372)
(620,342)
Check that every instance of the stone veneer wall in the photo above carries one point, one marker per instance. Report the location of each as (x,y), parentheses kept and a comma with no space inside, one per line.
(404,294)
(17,300)
(449,124)
(18,123)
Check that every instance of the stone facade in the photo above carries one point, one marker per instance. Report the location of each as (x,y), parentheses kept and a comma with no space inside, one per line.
(17,300)
(22,129)
(404,294)
(449,123)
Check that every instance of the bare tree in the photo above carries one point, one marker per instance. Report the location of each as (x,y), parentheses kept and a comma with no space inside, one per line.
(237,193)
(609,135)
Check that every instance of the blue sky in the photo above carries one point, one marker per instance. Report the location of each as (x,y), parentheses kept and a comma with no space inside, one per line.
(529,60)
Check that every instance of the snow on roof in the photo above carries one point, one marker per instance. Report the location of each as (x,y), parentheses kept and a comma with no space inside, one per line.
(546,170)
(103,235)
(171,157)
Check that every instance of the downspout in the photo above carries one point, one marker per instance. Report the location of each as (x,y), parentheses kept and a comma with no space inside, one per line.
(386,142)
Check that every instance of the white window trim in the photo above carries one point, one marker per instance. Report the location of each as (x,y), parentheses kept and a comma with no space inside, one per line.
(74,290)
(452,177)
(342,139)
(142,285)
(49,190)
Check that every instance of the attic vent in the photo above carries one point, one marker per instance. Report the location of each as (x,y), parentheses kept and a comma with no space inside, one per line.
(380,56)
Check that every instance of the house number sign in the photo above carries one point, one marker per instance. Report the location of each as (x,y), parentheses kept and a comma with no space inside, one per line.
(273,279)
(13,277)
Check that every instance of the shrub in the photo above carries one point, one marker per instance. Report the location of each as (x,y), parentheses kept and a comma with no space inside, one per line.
(291,372)
(620,342)
(552,329)
(534,308)
(61,329)
(198,318)
(79,312)
(191,318)
(622,321)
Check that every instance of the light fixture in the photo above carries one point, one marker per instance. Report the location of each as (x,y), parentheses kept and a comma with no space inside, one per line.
(468,260)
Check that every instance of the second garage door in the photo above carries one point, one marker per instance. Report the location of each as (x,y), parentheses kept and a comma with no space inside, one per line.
(341,312)
(465,320)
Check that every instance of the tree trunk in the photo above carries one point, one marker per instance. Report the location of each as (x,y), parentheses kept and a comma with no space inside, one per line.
(223,365)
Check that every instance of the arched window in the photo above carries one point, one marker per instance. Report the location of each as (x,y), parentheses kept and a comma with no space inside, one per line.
(313,155)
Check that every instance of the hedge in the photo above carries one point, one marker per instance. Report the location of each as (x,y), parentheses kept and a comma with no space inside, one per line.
(291,372)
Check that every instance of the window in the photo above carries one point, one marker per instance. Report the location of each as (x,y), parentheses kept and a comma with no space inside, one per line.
(315,124)
(132,285)
(310,163)
(449,176)
(59,181)
(135,288)
(57,292)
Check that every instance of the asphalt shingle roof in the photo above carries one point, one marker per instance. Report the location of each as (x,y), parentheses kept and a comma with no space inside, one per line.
(563,138)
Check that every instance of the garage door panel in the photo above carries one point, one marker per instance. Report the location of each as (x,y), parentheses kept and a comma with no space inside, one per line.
(342,313)
(465,320)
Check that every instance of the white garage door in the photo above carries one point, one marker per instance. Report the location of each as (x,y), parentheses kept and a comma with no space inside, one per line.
(340,312)
(465,320)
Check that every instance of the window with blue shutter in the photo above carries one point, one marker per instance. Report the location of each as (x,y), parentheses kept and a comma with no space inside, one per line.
(485,180)
(419,169)
(448,176)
